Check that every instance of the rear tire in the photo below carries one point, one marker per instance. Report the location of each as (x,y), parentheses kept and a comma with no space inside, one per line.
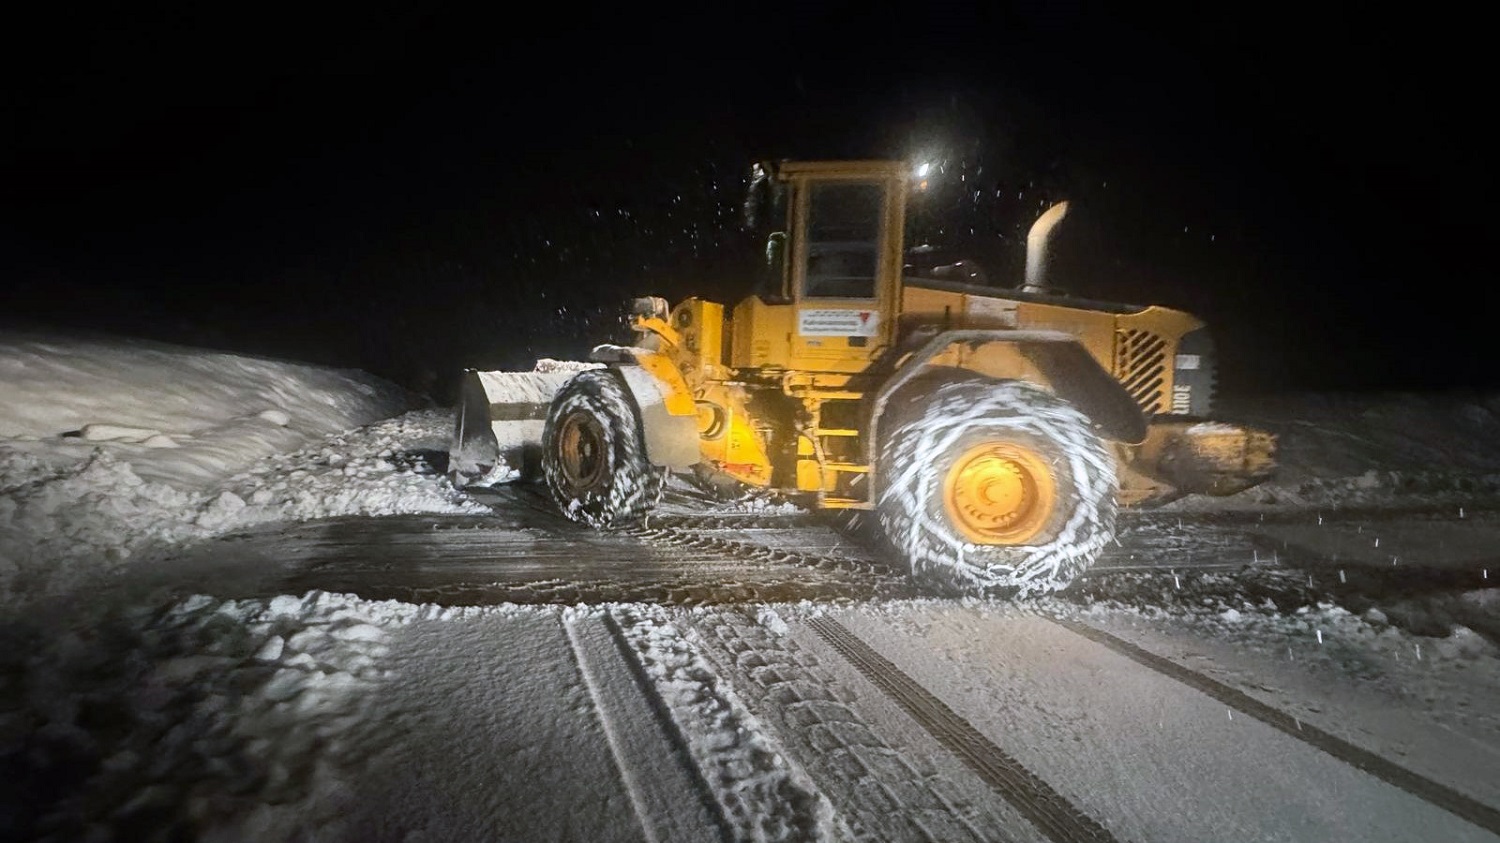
(996,487)
(594,456)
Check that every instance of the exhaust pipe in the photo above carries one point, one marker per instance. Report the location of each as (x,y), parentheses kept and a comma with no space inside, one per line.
(1038,242)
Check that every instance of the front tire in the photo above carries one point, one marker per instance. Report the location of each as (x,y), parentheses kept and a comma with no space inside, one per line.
(594,455)
(996,487)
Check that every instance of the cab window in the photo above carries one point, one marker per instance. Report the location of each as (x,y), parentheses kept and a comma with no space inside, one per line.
(843,234)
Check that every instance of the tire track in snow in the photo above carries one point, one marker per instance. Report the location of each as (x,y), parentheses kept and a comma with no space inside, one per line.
(881,575)
(521,557)
(1047,809)
(1429,790)
(761,795)
(667,791)
(883,794)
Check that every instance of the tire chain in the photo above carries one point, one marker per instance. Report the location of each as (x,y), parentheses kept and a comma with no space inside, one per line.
(807,700)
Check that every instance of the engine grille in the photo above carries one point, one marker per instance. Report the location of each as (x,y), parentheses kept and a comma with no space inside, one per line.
(1140,366)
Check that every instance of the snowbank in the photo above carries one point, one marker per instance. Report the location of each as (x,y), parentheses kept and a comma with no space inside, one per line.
(88,485)
(1326,436)
(63,530)
(181,416)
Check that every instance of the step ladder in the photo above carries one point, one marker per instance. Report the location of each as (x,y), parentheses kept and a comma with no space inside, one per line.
(821,437)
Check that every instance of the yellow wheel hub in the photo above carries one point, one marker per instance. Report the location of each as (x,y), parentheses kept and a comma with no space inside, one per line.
(999,493)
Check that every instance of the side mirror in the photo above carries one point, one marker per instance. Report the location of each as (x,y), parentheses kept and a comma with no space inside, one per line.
(776,252)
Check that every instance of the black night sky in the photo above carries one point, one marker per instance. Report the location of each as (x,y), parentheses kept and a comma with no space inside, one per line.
(411,190)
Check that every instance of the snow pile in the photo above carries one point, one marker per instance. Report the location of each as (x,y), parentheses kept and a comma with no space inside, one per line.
(1343,435)
(181,416)
(62,529)
(220,720)
(113,450)
(381,469)
(547,364)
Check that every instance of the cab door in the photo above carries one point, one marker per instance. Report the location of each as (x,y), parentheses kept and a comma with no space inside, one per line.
(845,262)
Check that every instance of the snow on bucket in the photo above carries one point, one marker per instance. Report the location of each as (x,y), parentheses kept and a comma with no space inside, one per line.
(498,427)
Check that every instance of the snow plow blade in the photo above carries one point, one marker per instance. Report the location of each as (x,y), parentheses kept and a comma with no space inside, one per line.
(497,435)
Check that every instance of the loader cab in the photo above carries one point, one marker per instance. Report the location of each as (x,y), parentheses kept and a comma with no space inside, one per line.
(840,261)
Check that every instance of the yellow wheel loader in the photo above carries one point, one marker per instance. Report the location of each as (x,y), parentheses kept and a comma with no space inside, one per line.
(991,431)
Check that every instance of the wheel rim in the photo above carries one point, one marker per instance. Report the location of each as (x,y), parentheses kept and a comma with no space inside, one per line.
(580,451)
(999,493)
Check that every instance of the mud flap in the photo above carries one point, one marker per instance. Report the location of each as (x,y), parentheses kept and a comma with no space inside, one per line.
(1078,378)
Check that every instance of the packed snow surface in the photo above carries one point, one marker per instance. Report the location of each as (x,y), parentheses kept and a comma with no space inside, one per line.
(170,715)
(325,716)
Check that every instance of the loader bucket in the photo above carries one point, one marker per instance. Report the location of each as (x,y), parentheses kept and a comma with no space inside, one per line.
(497,434)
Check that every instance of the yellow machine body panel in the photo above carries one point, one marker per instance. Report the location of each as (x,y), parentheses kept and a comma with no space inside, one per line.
(1137,346)
(761,335)
(926,306)
(840,282)
(697,328)
(782,385)
(728,437)
(677,397)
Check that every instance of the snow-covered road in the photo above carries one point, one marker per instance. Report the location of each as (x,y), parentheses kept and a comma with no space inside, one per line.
(328,642)
(331,717)
(777,685)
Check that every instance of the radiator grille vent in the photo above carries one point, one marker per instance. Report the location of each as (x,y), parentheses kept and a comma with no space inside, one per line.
(1140,366)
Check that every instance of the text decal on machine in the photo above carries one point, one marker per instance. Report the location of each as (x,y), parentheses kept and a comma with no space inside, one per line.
(837,323)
